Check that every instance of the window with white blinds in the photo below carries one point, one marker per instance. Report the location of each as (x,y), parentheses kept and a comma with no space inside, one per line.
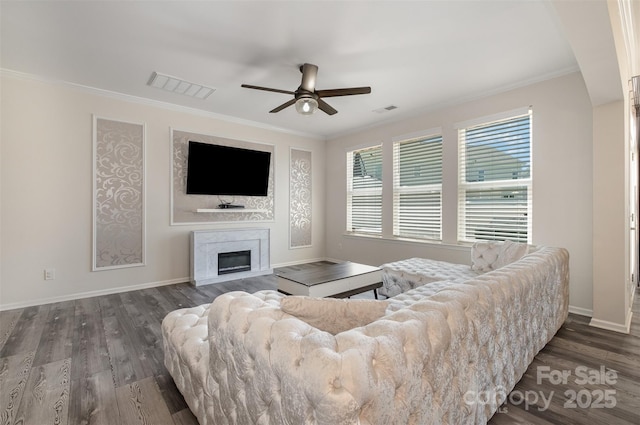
(364,190)
(417,188)
(494,198)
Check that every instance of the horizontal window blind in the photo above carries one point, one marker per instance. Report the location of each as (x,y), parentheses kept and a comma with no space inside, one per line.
(364,190)
(417,188)
(495,181)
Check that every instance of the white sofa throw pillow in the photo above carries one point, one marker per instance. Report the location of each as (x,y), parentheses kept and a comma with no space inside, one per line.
(510,252)
(487,256)
(334,315)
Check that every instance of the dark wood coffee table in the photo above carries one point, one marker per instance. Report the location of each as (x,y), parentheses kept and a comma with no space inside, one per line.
(337,280)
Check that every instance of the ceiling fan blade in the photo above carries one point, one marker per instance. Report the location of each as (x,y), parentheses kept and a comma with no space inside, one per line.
(309,73)
(343,92)
(267,89)
(284,105)
(325,107)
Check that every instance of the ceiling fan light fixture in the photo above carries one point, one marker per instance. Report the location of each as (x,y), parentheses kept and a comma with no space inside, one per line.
(306,105)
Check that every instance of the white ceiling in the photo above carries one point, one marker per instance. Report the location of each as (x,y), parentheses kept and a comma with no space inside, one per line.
(415,55)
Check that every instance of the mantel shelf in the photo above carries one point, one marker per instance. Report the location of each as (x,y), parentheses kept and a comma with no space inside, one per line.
(230,210)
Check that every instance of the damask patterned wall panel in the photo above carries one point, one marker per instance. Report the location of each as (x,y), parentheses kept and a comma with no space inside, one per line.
(300,198)
(118,190)
(184,207)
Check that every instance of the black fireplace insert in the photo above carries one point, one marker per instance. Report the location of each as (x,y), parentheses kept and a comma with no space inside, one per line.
(234,262)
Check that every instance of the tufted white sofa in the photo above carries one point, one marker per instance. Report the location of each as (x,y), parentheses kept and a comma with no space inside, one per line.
(243,360)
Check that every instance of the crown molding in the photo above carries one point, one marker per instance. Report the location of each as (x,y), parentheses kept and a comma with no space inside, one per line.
(153,103)
(459,101)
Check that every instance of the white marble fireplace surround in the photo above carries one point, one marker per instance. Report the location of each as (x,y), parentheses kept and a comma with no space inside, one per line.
(207,244)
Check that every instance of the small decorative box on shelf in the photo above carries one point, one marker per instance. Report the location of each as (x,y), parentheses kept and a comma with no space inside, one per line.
(229,210)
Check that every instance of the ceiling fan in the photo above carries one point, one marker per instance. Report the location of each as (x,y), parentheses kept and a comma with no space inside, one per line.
(306,98)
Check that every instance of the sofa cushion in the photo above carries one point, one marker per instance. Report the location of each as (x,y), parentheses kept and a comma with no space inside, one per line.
(487,256)
(334,315)
(403,275)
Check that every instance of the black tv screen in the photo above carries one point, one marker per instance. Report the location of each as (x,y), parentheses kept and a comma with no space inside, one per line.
(225,170)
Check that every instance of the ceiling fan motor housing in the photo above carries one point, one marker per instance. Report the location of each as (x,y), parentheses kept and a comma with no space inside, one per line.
(304,94)
(306,98)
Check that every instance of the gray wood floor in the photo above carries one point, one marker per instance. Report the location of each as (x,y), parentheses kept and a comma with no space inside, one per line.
(100,361)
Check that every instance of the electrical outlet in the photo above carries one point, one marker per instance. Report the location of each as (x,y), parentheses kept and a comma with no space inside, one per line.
(49,274)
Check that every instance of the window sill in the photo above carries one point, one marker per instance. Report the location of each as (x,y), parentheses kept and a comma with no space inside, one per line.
(459,246)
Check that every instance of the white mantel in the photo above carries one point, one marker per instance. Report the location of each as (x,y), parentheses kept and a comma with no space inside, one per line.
(207,244)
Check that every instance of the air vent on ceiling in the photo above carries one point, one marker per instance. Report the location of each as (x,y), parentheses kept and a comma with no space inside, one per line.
(385,109)
(177,85)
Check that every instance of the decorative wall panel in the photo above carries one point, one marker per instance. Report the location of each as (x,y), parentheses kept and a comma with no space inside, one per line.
(118,190)
(184,208)
(299,198)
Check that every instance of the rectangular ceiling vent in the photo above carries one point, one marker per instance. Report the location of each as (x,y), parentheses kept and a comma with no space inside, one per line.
(385,109)
(177,85)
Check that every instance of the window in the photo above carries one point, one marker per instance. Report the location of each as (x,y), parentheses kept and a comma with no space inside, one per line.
(494,198)
(364,190)
(417,188)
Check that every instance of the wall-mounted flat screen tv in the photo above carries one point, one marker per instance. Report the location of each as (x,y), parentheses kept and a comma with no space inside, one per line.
(225,170)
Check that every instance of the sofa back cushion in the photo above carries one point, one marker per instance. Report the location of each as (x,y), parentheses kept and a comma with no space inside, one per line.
(334,315)
(487,256)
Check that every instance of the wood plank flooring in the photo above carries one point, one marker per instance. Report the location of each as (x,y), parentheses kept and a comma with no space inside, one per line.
(100,361)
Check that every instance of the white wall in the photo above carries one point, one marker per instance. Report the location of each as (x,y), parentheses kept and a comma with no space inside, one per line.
(562,172)
(46,192)
(610,205)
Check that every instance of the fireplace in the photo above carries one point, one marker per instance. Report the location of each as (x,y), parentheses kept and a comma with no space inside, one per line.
(222,255)
(234,262)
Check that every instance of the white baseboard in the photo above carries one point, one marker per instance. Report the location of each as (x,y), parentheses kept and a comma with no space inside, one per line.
(90,294)
(612,326)
(335,260)
(295,263)
(77,296)
(580,311)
